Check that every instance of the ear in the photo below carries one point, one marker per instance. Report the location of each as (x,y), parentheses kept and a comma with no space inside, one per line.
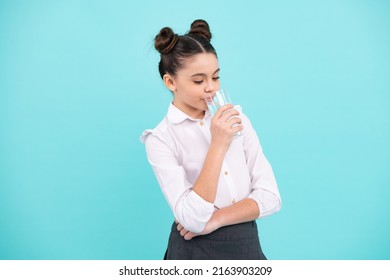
(169,82)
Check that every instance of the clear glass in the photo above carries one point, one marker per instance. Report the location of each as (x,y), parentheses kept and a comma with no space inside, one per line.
(220,98)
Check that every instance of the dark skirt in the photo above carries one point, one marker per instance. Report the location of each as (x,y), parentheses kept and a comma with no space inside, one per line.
(235,242)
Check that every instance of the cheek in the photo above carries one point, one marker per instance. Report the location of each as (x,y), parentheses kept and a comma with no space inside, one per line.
(217,84)
(188,90)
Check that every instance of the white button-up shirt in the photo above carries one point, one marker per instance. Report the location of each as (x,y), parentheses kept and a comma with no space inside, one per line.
(176,149)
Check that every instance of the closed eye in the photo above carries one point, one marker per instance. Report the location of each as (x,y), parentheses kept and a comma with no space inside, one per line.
(201,81)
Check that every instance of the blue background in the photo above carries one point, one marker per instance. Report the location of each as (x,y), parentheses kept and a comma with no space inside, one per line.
(79,84)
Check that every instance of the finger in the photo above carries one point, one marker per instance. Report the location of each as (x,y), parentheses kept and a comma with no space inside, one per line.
(183,232)
(189,236)
(222,109)
(234,121)
(237,128)
(179,227)
(228,114)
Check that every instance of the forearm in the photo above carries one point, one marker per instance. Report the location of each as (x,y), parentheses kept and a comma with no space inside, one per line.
(240,212)
(243,211)
(207,182)
(224,125)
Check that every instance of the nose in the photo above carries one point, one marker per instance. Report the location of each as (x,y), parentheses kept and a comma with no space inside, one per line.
(210,88)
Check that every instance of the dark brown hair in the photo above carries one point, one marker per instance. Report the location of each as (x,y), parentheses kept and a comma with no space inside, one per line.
(174,48)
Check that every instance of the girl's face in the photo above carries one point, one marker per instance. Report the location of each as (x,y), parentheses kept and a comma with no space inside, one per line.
(193,83)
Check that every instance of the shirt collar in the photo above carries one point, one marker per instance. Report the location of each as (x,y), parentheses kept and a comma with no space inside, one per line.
(175,115)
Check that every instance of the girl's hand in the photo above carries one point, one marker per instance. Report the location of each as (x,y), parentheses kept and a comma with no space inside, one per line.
(209,228)
(224,125)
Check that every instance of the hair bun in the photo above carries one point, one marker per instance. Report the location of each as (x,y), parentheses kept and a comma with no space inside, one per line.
(200,27)
(165,40)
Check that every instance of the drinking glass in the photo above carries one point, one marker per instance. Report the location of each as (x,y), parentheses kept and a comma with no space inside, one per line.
(220,98)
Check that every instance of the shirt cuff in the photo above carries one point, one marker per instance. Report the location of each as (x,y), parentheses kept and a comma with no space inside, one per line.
(267,202)
(194,212)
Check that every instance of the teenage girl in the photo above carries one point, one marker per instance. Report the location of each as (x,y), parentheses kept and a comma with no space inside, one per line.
(216,184)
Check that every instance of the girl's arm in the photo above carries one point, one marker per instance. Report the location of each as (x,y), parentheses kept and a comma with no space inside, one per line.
(243,211)
(191,203)
(264,199)
(224,125)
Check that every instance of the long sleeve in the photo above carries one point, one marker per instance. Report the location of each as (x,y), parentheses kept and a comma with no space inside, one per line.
(264,187)
(189,209)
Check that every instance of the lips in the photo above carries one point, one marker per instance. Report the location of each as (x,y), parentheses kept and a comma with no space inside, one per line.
(208,97)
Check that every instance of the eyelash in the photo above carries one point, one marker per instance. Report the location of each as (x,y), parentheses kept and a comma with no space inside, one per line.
(199,82)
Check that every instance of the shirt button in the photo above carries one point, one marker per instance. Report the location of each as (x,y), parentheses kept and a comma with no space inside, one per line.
(226,173)
(201,123)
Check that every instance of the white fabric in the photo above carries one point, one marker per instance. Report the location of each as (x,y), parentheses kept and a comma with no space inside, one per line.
(176,150)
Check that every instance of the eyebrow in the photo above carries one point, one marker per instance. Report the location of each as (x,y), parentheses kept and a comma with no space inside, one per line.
(203,74)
